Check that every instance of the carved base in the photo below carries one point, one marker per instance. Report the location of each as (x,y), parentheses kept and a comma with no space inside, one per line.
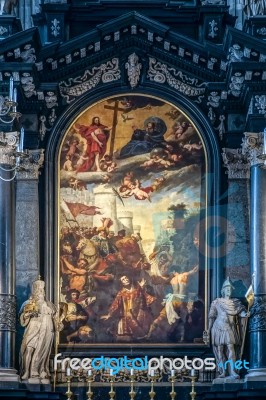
(8,375)
(256,375)
(227,380)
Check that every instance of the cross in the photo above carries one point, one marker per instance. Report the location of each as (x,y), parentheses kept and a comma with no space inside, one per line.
(115,108)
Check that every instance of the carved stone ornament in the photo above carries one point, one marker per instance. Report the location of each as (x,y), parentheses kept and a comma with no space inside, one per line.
(133,69)
(7,312)
(8,142)
(161,73)
(236,84)
(260,103)
(75,87)
(236,163)
(252,147)
(51,100)
(28,85)
(3,30)
(235,53)
(30,166)
(214,99)
(257,320)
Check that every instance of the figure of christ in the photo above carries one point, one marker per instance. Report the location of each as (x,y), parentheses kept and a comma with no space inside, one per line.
(130,310)
(96,136)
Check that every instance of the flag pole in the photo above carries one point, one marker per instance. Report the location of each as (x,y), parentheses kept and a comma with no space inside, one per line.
(250,299)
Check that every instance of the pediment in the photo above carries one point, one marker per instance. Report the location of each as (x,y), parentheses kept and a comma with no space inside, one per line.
(213,76)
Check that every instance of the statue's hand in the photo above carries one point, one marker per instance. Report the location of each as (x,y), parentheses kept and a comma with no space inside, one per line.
(245,314)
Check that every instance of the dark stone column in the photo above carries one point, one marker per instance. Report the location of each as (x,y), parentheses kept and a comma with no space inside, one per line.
(257,323)
(7,267)
(257,327)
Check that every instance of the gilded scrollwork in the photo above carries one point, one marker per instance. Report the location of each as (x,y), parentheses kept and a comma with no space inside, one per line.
(30,166)
(75,87)
(161,73)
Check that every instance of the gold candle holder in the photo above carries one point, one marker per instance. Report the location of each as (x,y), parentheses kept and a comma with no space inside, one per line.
(68,393)
(152,392)
(193,393)
(89,393)
(112,392)
(132,393)
(172,393)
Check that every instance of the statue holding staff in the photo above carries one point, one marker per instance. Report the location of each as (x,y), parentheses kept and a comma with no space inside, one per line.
(227,330)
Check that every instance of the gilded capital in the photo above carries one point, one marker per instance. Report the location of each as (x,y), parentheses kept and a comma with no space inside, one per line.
(30,166)
(8,143)
(237,164)
(252,147)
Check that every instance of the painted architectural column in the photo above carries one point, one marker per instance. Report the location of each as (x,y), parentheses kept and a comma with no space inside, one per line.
(7,256)
(253,147)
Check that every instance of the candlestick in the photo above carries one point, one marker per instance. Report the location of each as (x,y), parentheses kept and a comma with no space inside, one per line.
(132,393)
(193,378)
(172,380)
(112,392)
(68,378)
(89,380)
(152,392)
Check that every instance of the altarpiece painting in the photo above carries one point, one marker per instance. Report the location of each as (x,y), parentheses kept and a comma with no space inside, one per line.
(132,199)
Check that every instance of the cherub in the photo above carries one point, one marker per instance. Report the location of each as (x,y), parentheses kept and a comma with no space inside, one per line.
(68,164)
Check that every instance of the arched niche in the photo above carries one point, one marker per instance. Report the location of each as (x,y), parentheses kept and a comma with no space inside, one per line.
(166,176)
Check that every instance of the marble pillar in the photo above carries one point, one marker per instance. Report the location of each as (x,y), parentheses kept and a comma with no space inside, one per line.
(27,224)
(235,213)
(7,257)
(253,146)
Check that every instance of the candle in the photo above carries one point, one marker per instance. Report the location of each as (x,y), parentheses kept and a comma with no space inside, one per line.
(132,372)
(11,87)
(14,108)
(21,140)
(68,372)
(152,372)
(15,95)
(192,372)
(264,141)
(89,372)
(111,372)
(172,372)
